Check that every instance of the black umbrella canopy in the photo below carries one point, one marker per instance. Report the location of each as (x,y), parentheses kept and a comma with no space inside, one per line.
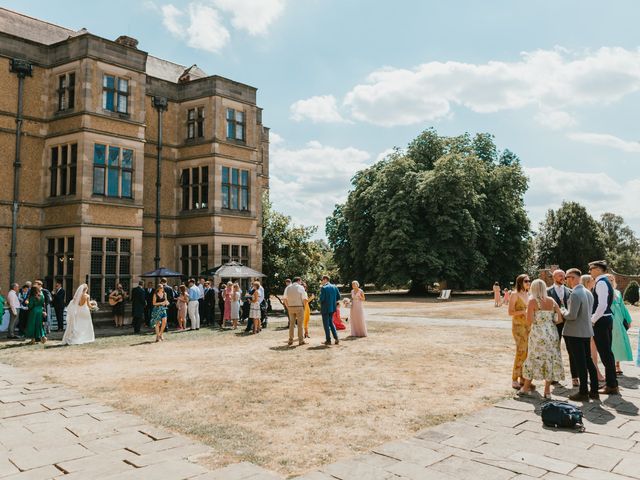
(161,272)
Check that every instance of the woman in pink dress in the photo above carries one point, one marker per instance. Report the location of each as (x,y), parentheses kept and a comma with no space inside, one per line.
(357,319)
(228,294)
(182,302)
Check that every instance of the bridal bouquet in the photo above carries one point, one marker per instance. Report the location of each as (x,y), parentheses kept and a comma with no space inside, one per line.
(93,306)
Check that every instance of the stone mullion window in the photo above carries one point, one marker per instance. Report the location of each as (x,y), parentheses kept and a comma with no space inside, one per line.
(235,253)
(112,171)
(115,94)
(64,167)
(110,264)
(235,189)
(194,183)
(66,91)
(236,125)
(60,263)
(194,259)
(195,123)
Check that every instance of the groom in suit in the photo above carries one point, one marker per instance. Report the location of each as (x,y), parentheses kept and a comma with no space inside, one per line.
(138,305)
(59,297)
(560,293)
(329,298)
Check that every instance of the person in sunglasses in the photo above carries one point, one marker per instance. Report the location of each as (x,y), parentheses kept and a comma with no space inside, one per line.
(519,327)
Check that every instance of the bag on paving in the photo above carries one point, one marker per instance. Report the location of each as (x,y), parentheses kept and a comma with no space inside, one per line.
(562,415)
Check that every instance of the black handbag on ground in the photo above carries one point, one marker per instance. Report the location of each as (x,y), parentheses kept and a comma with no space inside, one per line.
(562,415)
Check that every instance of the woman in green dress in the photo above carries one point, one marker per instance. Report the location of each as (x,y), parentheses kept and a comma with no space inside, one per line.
(35,327)
(620,344)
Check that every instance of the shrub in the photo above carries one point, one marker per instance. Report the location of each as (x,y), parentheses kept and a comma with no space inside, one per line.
(632,293)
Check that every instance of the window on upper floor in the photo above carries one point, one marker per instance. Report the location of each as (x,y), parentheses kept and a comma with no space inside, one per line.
(195,123)
(112,171)
(64,167)
(66,91)
(235,125)
(115,94)
(235,188)
(195,188)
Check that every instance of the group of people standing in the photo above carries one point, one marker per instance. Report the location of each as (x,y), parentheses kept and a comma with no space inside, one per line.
(588,312)
(30,311)
(297,304)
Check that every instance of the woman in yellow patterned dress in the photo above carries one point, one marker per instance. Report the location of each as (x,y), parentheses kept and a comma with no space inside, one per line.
(519,327)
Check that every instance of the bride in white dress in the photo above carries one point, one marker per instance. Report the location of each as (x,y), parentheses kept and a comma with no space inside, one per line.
(79,325)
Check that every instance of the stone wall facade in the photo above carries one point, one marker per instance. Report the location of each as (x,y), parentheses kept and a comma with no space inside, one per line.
(87,197)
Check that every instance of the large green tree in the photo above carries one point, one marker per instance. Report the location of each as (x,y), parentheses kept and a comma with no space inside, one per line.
(622,245)
(569,237)
(447,209)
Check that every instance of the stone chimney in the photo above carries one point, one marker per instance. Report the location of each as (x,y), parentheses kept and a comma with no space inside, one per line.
(127,41)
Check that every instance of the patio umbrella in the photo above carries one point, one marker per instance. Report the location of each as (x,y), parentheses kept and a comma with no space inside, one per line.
(161,272)
(237,270)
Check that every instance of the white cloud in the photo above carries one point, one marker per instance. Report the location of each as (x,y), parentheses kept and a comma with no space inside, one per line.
(253,16)
(551,80)
(598,192)
(202,25)
(320,109)
(307,183)
(171,19)
(555,119)
(605,140)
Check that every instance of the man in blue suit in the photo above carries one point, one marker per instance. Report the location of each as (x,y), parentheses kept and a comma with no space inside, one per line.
(329,298)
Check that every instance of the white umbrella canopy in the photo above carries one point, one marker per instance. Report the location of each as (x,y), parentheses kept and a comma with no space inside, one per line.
(237,270)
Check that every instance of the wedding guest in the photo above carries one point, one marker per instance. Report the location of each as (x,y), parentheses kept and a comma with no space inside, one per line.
(221,289)
(307,310)
(138,304)
(228,291)
(59,301)
(149,305)
(519,327)
(337,319)
(194,314)
(172,309)
(357,318)
(603,323)
(159,312)
(496,294)
(210,293)
(506,296)
(235,305)
(3,302)
(620,344)
(263,306)
(544,360)
(560,294)
(254,312)
(587,282)
(35,322)
(23,316)
(287,283)
(14,310)
(577,332)
(116,299)
(295,298)
(48,299)
(329,298)
(182,302)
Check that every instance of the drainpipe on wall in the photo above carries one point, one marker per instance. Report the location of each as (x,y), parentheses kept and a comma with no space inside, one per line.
(22,68)
(160,104)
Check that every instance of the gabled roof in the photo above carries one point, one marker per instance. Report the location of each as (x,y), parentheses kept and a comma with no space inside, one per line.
(30,28)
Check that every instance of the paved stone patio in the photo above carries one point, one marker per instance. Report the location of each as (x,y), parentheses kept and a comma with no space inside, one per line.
(48,431)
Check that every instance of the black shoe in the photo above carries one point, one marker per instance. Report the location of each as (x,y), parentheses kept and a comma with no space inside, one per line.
(594,395)
(328,343)
(579,397)
(337,341)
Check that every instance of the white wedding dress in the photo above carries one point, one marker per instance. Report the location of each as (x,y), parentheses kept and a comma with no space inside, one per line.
(79,324)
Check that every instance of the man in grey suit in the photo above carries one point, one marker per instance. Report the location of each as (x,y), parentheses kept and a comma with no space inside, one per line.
(578,331)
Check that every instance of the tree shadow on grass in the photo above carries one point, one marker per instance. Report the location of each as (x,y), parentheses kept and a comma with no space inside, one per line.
(146,342)
(283,348)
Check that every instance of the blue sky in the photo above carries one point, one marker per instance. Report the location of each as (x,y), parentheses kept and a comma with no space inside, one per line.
(342,82)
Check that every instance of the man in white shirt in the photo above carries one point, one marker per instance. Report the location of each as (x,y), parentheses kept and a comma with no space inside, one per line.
(295,296)
(602,321)
(193,306)
(14,309)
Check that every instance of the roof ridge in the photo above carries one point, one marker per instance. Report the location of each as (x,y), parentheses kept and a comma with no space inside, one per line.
(37,19)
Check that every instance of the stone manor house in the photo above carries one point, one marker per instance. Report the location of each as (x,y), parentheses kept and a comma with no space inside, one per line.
(84,112)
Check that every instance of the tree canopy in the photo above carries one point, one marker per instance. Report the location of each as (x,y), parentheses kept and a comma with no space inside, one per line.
(569,237)
(447,209)
(621,244)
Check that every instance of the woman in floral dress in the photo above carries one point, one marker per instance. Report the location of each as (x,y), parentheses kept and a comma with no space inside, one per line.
(544,360)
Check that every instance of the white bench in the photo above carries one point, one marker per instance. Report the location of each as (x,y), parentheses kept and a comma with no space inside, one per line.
(444,295)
